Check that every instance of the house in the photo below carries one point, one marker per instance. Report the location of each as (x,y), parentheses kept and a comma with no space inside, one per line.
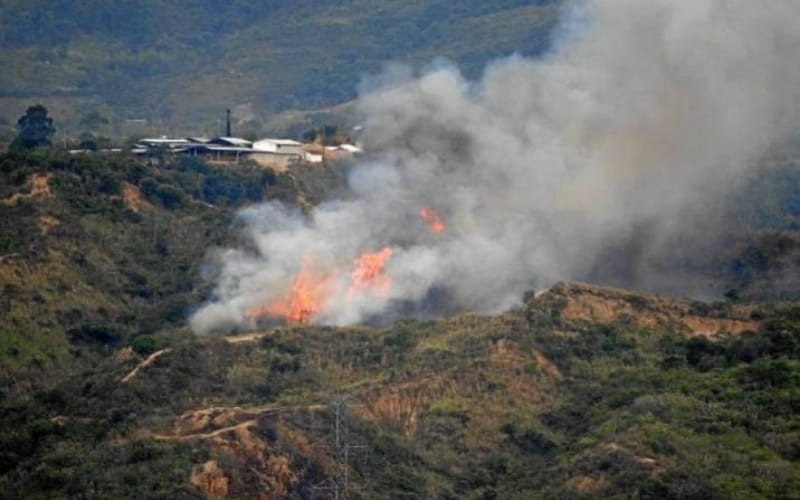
(199,140)
(161,143)
(231,141)
(219,149)
(312,157)
(215,153)
(341,152)
(216,150)
(282,146)
(277,154)
(155,147)
(149,146)
(351,148)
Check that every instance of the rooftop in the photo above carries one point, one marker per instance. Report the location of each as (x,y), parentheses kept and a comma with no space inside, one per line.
(233,140)
(281,142)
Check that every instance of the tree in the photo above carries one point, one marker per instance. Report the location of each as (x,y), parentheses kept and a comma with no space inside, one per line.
(93,142)
(145,344)
(91,139)
(35,129)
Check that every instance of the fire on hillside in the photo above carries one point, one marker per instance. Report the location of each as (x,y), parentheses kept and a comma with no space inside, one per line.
(312,289)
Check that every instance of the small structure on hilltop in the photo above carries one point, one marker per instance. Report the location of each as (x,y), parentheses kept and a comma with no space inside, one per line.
(217,150)
(163,142)
(220,149)
(277,154)
(341,152)
(235,142)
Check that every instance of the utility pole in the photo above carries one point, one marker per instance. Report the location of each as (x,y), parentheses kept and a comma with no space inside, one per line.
(340,485)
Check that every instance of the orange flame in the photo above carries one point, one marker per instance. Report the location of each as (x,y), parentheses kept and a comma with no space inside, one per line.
(308,294)
(368,272)
(311,290)
(432,218)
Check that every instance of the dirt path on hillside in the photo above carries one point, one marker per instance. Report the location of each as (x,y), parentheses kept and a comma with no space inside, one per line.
(203,435)
(147,361)
(193,424)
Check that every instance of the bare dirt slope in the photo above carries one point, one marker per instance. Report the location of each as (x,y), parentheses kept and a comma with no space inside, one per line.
(580,302)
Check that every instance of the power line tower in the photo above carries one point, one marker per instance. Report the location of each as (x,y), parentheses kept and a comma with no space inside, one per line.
(340,485)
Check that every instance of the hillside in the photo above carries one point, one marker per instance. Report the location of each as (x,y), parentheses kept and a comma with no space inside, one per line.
(584,391)
(581,391)
(573,272)
(179,65)
(96,250)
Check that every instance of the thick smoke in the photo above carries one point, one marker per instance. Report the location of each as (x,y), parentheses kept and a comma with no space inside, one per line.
(644,113)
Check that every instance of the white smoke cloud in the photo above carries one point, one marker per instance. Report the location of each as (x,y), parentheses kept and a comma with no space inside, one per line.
(642,114)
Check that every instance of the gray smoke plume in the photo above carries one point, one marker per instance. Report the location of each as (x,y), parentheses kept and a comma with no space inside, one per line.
(644,113)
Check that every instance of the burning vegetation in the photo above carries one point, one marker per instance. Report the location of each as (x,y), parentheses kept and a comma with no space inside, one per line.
(432,219)
(312,289)
(308,293)
(368,274)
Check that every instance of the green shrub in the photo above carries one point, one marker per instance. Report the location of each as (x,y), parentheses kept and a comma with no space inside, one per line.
(145,344)
(97,332)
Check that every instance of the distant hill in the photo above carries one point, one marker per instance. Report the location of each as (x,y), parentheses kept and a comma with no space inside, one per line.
(178,65)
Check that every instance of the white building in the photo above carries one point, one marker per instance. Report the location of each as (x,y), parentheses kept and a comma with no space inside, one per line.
(277,154)
(283,146)
(235,142)
(313,157)
(162,142)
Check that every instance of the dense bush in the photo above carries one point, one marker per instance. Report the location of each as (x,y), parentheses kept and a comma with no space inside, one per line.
(145,344)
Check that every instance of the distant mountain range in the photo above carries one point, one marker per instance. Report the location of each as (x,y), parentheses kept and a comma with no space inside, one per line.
(167,66)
